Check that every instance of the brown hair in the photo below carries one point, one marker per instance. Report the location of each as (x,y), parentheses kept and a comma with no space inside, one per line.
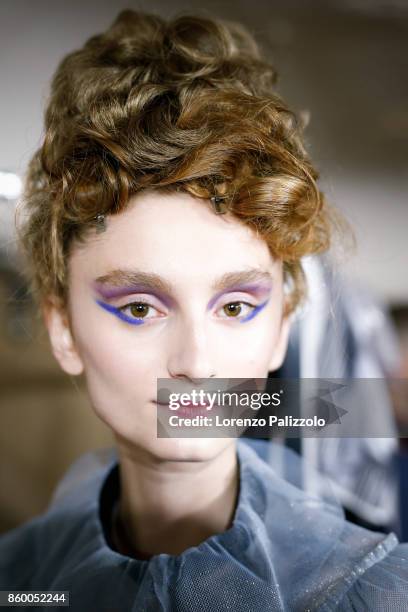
(187,104)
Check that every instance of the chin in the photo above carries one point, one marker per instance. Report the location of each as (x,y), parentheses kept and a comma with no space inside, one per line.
(188,449)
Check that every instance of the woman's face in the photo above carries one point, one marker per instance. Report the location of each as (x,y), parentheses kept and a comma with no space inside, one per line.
(168,290)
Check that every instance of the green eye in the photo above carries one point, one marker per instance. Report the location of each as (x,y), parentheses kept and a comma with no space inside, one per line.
(233,309)
(139,309)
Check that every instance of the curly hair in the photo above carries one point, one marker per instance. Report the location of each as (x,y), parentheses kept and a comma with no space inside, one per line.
(186,104)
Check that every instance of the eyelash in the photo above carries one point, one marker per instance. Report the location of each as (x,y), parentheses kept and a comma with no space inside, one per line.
(120,311)
(135,320)
(238,318)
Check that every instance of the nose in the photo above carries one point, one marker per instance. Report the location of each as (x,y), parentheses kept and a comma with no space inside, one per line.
(189,354)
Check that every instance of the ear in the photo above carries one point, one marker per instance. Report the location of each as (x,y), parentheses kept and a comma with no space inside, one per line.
(281,345)
(62,342)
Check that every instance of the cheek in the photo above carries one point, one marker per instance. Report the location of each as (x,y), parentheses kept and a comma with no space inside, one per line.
(119,366)
(259,351)
(248,350)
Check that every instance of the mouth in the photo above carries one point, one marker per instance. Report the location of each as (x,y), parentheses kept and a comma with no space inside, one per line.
(187,409)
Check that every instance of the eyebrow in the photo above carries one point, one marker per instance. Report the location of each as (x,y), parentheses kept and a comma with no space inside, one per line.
(152,281)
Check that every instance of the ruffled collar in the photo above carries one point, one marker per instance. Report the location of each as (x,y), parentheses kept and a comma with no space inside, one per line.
(283,547)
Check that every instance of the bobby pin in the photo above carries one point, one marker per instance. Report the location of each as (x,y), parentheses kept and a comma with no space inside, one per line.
(100,223)
(219,204)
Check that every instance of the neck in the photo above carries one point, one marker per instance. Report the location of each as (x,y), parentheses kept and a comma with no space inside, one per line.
(169,506)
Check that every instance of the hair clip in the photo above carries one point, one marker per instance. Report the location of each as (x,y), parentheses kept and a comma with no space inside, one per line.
(219,204)
(100,222)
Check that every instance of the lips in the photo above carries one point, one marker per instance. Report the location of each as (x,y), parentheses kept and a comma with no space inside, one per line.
(192,411)
(187,410)
(193,405)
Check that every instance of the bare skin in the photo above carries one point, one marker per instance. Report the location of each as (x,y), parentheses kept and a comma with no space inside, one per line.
(175,493)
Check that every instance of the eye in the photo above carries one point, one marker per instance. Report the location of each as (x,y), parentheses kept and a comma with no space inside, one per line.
(135,313)
(237,310)
(137,310)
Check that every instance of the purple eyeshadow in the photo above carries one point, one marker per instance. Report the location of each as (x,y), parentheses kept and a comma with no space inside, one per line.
(256,289)
(107,292)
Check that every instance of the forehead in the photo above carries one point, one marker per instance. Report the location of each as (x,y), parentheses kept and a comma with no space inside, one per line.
(174,235)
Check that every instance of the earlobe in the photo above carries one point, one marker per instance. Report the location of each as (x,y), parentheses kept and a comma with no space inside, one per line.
(280,348)
(61,339)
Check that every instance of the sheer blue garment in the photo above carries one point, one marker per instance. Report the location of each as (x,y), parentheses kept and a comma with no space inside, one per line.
(285,551)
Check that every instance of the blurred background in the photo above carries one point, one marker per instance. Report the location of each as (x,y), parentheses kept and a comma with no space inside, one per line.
(344,63)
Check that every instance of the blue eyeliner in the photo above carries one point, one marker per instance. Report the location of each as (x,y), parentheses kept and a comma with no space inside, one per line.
(119,313)
(116,311)
(255,311)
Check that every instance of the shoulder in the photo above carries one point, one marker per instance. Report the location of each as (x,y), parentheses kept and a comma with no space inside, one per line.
(383,586)
(325,562)
(31,554)
(20,555)
(36,549)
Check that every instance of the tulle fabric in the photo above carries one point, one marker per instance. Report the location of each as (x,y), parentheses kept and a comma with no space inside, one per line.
(382,588)
(285,551)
